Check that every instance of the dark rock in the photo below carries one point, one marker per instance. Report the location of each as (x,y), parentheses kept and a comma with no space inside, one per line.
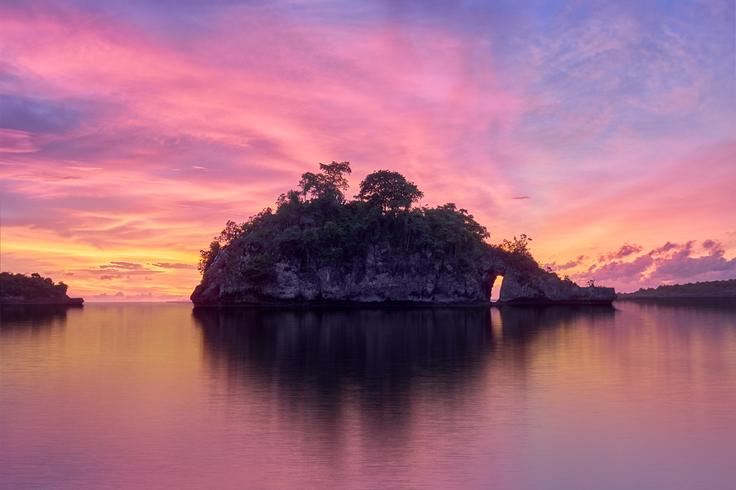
(384,276)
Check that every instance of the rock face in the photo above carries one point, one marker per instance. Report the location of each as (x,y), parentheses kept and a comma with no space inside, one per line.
(546,288)
(385,276)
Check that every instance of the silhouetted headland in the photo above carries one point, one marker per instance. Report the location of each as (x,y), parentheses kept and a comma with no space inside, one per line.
(318,247)
(707,290)
(20,289)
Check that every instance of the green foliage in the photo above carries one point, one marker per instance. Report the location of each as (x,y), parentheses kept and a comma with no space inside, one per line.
(328,185)
(259,268)
(314,227)
(517,246)
(206,257)
(231,231)
(389,191)
(519,253)
(30,287)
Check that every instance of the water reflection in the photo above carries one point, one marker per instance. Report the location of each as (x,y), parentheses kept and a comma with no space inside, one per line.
(156,396)
(378,348)
(323,360)
(725,305)
(30,315)
(33,318)
(522,323)
(379,358)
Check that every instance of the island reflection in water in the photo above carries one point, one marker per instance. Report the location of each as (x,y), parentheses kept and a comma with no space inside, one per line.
(32,317)
(162,396)
(374,357)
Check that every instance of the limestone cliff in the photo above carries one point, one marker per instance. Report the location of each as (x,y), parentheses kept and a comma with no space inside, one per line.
(386,275)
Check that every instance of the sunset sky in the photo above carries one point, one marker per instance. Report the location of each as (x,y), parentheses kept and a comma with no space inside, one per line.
(130,131)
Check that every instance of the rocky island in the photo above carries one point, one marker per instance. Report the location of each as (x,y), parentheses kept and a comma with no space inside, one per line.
(20,289)
(319,247)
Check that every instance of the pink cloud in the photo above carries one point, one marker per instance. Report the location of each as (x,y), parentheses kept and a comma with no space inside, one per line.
(625,250)
(567,265)
(669,263)
(129,143)
(14,141)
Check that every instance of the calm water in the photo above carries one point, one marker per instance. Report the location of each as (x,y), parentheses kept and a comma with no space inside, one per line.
(161,396)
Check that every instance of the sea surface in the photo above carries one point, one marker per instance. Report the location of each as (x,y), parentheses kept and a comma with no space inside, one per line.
(638,396)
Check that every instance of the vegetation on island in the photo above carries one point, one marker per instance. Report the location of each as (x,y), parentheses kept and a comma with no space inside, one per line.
(317,225)
(705,289)
(33,288)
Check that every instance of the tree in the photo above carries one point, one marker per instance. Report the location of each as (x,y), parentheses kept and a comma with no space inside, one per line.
(290,198)
(334,174)
(389,191)
(517,246)
(232,231)
(206,257)
(329,184)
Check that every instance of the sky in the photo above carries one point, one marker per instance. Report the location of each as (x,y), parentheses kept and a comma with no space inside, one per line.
(131,131)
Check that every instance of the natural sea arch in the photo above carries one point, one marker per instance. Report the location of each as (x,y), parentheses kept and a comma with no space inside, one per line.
(496,288)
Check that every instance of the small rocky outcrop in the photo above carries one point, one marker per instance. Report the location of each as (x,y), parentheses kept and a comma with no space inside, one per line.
(545,288)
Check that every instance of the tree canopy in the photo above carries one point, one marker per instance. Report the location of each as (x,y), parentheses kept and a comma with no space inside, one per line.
(329,184)
(518,246)
(314,226)
(389,191)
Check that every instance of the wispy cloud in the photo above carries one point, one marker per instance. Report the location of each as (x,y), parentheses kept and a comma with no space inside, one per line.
(571,264)
(169,265)
(129,132)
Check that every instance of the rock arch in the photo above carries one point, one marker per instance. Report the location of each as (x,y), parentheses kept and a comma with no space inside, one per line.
(525,282)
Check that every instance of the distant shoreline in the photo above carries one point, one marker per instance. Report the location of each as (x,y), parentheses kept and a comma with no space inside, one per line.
(706,290)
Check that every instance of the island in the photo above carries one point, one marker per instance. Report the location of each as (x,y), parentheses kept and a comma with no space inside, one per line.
(20,289)
(319,247)
(708,290)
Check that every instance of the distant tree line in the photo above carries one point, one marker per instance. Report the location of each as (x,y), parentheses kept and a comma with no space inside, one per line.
(706,289)
(316,225)
(30,287)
